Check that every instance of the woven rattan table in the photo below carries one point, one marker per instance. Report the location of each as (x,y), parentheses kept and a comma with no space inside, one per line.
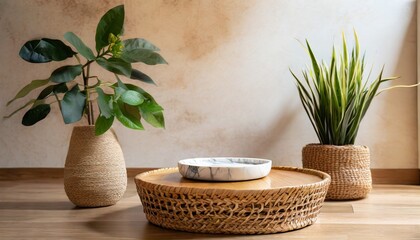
(287,199)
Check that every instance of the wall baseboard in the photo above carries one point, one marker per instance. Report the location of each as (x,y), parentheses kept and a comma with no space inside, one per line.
(396,176)
(379,176)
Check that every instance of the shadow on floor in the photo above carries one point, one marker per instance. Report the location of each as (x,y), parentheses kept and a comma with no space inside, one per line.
(64,205)
(132,223)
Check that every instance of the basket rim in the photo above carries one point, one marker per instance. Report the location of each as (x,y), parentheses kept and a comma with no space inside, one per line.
(347,146)
(325,179)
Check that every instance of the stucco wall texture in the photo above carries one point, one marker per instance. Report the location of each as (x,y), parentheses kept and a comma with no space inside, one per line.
(227,90)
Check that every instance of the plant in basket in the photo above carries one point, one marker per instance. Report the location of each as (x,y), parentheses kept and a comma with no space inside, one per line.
(336,97)
(95,173)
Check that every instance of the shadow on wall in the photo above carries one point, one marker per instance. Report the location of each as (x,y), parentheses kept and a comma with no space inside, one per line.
(395,109)
(273,134)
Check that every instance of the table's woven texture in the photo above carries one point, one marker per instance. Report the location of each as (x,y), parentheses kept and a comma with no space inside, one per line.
(233,211)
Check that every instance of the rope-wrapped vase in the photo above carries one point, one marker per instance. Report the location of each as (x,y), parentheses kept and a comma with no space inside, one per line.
(94,173)
(348,166)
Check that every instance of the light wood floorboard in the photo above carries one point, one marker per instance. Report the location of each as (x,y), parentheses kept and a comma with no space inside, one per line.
(39,209)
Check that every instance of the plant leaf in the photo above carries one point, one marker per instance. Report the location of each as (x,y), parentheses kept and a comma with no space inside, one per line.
(28,88)
(132,98)
(111,22)
(137,75)
(72,105)
(17,110)
(36,114)
(102,124)
(84,50)
(66,73)
(336,96)
(146,56)
(120,83)
(129,116)
(152,113)
(150,110)
(103,103)
(118,92)
(45,50)
(150,107)
(58,88)
(138,43)
(115,65)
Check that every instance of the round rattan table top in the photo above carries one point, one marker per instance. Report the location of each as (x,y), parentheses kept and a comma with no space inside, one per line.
(279,177)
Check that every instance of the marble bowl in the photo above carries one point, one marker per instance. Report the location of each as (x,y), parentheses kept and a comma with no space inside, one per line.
(224,168)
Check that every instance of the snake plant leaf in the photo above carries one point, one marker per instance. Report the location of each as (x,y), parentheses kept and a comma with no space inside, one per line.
(66,73)
(115,65)
(128,115)
(28,88)
(138,43)
(72,105)
(336,96)
(137,75)
(45,50)
(84,50)
(132,98)
(104,102)
(102,124)
(111,22)
(58,88)
(36,114)
(146,56)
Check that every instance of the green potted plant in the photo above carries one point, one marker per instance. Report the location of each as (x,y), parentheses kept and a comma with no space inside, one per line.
(94,173)
(336,97)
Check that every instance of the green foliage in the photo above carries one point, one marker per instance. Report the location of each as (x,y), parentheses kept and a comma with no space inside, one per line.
(45,50)
(336,96)
(137,75)
(102,124)
(56,89)
(115,65)
(66,73)
(72,105)
(28,88)
(111,23)
(104,101)
(84,50)
(36,114)
(116,100)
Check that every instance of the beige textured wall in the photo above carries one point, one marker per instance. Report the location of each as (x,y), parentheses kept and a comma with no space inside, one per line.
(227,90)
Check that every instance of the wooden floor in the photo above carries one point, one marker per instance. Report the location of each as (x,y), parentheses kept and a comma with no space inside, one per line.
(39,209)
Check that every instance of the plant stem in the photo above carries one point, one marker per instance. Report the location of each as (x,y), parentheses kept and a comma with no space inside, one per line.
(91,113)
(86,76)
(85,85)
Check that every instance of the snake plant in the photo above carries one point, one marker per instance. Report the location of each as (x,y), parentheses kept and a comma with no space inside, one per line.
(337,95)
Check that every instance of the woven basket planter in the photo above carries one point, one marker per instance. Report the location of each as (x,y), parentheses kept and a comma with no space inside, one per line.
(348,166)
(94,173)
(231,211)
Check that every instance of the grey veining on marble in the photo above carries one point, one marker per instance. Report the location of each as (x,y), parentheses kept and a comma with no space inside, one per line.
(224,168)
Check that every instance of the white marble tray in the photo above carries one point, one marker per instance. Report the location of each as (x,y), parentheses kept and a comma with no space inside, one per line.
(224,168)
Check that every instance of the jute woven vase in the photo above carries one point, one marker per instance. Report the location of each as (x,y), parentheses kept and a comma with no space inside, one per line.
(348,166)
(94,173)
